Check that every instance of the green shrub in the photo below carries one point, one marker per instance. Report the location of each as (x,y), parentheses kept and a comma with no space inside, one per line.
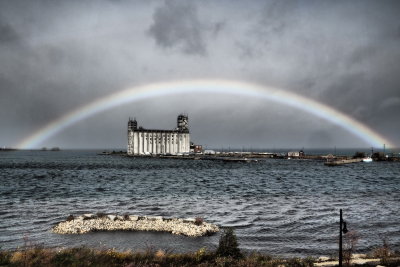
(228,245)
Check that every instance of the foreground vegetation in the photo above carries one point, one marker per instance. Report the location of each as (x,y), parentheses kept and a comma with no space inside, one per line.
(227,254)
(83,256)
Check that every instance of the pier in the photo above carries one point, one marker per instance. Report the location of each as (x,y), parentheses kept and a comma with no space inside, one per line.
(329,160)
(342,162)
(239,160)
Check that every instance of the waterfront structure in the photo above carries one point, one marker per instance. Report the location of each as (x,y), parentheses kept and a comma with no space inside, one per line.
(195,148)
(143,141)
(295,154)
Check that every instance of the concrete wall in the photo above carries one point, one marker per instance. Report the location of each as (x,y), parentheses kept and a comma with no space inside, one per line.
(145,142)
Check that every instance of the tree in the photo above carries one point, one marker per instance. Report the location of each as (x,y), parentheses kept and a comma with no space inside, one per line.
(228,245)
(350,242)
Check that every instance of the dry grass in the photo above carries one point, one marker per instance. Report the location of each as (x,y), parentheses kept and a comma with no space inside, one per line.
(83,256)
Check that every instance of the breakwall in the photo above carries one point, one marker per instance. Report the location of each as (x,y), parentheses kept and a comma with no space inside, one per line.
(92,223)
(342,161)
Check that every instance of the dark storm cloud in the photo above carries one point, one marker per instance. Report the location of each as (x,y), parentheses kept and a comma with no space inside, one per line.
(273,20)
(45,68)
(176,23)
(277,16)
(58,55)
(342,53)
(217,28)
(7,34)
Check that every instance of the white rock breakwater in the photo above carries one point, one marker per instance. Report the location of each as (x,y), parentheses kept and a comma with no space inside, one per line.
(92,223)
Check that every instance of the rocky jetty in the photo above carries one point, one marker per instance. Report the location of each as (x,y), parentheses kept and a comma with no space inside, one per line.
(92,223)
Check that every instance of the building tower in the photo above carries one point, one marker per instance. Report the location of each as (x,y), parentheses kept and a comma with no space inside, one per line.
(183,123)
(132,124)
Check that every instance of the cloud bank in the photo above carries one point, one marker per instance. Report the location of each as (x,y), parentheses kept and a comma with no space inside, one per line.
(57,56)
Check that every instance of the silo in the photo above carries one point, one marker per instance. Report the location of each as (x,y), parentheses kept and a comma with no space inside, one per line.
(183,123)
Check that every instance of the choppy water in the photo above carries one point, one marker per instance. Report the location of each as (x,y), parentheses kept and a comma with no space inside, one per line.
(281,207)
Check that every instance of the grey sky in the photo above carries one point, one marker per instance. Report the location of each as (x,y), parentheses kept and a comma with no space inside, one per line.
(58,55)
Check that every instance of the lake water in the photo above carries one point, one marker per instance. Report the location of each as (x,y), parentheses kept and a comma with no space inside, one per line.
(279,207)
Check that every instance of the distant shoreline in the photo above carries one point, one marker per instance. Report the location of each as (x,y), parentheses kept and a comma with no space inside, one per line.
(247,156)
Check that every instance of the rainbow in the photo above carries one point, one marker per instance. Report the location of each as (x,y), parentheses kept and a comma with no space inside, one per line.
(141,92)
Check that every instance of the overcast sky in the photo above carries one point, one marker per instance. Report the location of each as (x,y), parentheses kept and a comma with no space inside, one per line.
(58,55)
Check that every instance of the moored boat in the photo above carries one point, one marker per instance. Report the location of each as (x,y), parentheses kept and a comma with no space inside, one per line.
(367,159)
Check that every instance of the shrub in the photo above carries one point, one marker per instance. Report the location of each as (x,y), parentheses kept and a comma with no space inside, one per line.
(63,258)
(83,256)
(225,262)
(349,246)
(160,254)
(228,245)
(198,221)
(383,253)
(5,258)
(200,254)
(297,262)
(35,256)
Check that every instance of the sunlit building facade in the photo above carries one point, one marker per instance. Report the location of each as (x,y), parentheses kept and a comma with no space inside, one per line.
(143,141)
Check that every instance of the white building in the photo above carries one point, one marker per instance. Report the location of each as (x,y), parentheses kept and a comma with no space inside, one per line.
(157,142)
(295,154)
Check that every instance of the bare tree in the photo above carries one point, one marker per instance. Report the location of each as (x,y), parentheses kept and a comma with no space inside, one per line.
(349,245)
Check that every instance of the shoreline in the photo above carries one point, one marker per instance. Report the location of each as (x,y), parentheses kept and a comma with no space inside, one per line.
(251,156)
(74,256)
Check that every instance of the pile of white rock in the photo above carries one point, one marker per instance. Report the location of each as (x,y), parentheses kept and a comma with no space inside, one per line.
(92,223)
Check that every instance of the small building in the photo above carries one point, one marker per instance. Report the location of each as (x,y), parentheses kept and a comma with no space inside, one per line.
(195,148)
(209,152)
(295,154)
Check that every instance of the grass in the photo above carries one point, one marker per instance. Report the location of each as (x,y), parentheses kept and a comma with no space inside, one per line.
(227,254)
(83,256)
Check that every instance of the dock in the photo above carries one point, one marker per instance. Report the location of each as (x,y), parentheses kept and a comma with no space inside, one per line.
(238,160)
(342,162)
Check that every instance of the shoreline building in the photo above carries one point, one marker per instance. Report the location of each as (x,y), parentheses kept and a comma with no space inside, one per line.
(143,141)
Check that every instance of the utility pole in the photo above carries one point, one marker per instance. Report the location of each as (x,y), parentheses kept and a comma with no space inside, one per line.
(343,229)
(340,241)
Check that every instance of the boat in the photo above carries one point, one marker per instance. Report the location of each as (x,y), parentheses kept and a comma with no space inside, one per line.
(367,159)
